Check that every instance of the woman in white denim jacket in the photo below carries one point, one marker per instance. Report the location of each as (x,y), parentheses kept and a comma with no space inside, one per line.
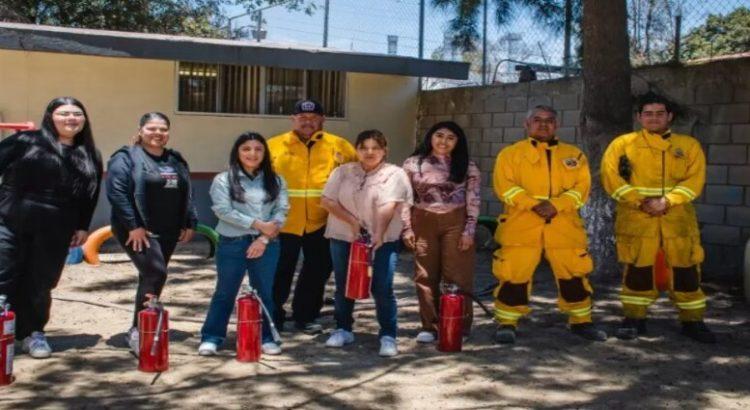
(251,202)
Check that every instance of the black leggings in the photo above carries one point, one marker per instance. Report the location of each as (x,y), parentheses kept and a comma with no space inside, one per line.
(151,264)
(32,257)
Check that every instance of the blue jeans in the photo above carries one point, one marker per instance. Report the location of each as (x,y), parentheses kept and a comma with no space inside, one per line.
(382,286)
(231,265)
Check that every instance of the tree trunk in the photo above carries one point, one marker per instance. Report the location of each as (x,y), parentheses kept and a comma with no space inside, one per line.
(606,112)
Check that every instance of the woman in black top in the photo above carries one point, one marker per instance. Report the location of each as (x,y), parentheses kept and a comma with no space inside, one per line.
(148,186)
(50,185)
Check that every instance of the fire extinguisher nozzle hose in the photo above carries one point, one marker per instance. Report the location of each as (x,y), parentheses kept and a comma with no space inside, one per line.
(157,335)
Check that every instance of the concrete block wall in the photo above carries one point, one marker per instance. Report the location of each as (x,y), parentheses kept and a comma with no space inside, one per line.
(715,102)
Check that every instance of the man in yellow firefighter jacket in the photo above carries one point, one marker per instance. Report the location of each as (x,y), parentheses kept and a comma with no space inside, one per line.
(654,175)
(305,157)
(542,183)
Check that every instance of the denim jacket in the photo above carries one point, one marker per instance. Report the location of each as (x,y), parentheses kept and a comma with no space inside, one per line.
(235,218)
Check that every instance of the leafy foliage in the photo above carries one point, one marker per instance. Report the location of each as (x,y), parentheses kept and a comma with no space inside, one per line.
(465,25)
(719,35)
(202,18)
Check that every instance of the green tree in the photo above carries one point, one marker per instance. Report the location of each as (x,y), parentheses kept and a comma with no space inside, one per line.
(465,25)
(719,35)
(607,102)
(202,18)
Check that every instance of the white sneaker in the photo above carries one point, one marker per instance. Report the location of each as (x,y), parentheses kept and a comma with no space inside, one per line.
(425,337)
(134,340)
(207,349)
(339,338)
(36,346)
(388,347)
(270,348)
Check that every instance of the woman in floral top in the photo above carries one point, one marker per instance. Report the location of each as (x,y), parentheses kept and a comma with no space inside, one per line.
(440,226)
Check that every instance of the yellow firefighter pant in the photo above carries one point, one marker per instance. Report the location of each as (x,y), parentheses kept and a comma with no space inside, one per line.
(683,257)
(514,267)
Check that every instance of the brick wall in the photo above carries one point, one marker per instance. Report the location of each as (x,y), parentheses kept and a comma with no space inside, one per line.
(716,102)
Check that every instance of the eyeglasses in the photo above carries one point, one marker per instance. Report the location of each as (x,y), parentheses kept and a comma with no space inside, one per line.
(77,114)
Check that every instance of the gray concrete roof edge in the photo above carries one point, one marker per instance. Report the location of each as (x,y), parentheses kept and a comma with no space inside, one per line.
(30,37)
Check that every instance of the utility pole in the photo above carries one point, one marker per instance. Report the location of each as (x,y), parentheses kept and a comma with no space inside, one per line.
(325,24)
(484,45)
(259,27)
(568,33)
(421,29)
(677,33)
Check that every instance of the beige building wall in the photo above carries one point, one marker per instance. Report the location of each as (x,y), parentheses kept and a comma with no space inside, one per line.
(117,91)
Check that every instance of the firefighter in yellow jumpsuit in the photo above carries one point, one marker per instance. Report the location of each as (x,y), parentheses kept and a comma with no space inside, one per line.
(542,183)
(305,156)
(654,175)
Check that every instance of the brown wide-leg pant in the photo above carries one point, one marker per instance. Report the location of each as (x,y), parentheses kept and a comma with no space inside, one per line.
(437,259)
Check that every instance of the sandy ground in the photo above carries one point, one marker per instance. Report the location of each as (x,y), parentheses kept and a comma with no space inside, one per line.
(548,367)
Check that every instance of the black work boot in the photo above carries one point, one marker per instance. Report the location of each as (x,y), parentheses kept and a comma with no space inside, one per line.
(505,334)
(698,331)
(588,331)
(631,328)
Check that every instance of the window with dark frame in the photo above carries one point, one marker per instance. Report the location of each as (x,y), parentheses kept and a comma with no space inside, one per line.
(234,89)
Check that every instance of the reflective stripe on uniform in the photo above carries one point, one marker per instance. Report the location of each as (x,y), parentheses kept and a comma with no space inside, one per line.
(304,193)
(507,315)
(648,191)
(696,304)
(685,191)
(619,192)
(586,311)
(512,192)
(636,300)
(576,196)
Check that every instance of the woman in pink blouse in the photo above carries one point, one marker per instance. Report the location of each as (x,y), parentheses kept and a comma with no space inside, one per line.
(366,196)
(440,226)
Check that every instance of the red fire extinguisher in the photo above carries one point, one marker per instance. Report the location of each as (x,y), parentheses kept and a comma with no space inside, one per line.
(662,271)
(450,328)
(7,340)
(250,309)
(359,274)
(153,331)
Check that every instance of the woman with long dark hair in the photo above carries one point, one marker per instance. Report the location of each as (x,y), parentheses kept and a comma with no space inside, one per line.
(149,188)
(251,202)
(440,226)
(50,186)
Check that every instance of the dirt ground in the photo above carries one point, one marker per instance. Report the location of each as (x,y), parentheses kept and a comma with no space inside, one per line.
(548,367)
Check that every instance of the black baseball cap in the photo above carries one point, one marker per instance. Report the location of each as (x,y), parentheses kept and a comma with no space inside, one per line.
(308,106)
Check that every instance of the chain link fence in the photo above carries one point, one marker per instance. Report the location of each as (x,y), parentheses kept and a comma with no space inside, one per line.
(524,48)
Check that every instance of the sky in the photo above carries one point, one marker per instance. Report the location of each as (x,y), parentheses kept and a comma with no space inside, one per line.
(364,26)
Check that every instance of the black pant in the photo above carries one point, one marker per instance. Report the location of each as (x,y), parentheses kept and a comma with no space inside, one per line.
(33,248)
(311,282)
(151,264)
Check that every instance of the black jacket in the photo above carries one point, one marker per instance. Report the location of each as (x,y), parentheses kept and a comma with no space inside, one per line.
(126,188)
(34,169)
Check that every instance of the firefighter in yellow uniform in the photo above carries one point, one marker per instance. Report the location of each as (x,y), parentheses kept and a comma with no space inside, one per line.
(542,183)
(654,175)
(305,157)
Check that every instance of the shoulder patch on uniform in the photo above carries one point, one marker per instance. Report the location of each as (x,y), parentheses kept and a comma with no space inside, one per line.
(678,152)
(571,162)
(339,157)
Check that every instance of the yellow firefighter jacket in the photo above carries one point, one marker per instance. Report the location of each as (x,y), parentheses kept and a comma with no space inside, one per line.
(306,168)
(528,172)
(641,164)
